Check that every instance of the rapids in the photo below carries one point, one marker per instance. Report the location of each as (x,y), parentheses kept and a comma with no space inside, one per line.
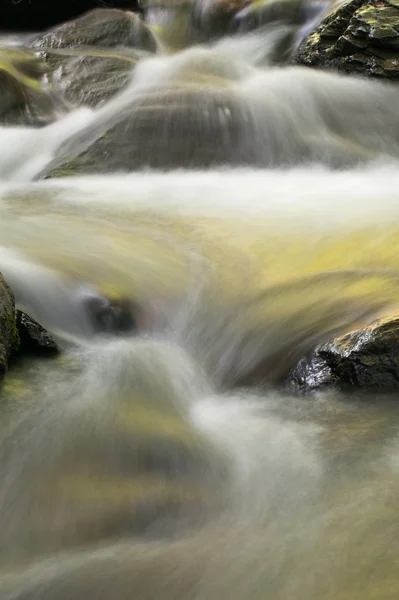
(171,463)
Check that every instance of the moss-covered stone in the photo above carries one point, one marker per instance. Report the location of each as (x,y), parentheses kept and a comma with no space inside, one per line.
(9,338)
(361,36)
(366,359)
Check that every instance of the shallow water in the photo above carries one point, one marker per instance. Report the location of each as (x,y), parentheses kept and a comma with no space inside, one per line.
(170,463)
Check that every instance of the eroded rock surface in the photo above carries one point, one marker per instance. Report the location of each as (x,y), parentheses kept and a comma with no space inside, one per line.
(366,359)
(361,36)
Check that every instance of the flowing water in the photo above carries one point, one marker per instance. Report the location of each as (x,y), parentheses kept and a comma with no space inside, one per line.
(170,463)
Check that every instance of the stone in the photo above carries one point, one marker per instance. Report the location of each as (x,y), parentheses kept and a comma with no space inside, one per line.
(34,339)
(89,77)
(366,359)
(9,339)
(167,130)
(361,36)
(110,316)
(105,28)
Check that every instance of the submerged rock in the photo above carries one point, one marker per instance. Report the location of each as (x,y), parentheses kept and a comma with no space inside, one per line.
(34,338)
(361,36)
(366,359)
(115,317)
(25,98)
(104,28)
(9,339)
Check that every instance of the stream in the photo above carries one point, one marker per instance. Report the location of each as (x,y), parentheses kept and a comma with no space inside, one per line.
(171,462)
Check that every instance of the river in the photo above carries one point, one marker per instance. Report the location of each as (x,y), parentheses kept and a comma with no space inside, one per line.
(171,463)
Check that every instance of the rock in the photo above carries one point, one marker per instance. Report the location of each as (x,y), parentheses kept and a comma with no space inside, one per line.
(25,97)
(34,339)
(167,130)
(37,15)
(80,64)
(89,77)
(115,317)
(105,28)
(361,36)
(366,359)
(9,339)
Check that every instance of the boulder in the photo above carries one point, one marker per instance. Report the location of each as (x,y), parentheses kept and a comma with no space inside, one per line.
(105,28)
(37,15)
(9,339)
(89,77)
(25,97)
(167,130)
(91,58)
(366,359)
(361,36)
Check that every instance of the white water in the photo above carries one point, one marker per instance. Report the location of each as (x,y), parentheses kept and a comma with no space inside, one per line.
(138,467)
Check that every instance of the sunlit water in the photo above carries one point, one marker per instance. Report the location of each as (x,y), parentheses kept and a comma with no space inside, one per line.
(171,463)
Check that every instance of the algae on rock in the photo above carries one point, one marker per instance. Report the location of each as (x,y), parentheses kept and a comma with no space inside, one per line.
(361,36)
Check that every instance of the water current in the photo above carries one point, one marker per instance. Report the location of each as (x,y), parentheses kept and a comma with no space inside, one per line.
(170,463)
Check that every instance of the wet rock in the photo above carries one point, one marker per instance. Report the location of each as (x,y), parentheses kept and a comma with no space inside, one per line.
(25,97)
(89,76)
(105,28)
(173,128)
(116,317)
(34,338)
(361,36)
(366,359)
(90,59)
(37,15)
(9,339)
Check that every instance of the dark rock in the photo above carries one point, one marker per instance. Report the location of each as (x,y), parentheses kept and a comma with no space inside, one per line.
(9,339)
(366,359)
(362,36)
(115,317)
(25,97)
(105,28)
(34,338)
(37,15)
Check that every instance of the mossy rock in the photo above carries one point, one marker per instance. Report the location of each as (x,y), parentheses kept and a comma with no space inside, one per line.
(9,338)
(361,36)
(25,97)
(366,359)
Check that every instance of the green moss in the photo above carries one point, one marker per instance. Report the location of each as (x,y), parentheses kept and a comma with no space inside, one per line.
(11,324)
